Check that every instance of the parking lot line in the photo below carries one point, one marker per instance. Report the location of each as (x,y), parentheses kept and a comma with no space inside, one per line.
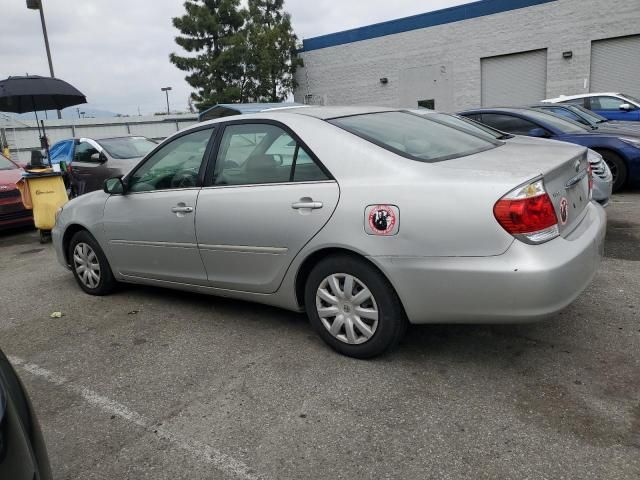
(201,451)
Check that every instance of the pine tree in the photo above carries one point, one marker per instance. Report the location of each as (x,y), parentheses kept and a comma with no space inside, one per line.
(270,56)
(211,29)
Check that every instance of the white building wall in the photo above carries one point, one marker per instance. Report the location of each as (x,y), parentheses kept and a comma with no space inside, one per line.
(350,74)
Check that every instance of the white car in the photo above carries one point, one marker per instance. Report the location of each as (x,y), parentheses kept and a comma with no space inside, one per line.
(614,106)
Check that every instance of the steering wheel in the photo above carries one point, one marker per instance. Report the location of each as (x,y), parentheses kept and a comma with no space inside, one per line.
(184,179)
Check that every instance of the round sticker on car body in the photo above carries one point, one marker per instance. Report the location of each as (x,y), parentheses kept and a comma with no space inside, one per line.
(564,211)
(382,220)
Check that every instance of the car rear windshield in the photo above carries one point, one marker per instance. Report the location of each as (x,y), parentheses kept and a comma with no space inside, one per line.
(127,147)
(469,125)
(414,136)
(6,164)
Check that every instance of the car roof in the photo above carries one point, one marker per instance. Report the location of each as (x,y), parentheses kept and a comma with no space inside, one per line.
(562,98)
(499,109)
(326,113)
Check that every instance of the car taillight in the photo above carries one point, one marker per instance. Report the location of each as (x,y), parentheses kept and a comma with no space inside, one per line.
(590,180)
(528,214)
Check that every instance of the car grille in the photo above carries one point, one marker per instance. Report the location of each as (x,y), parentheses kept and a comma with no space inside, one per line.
(15,215)
(9,193)
(598,167)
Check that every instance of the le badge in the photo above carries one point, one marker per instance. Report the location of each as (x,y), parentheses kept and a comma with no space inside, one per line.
(382,220)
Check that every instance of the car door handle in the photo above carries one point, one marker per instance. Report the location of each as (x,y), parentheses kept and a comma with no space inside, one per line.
(309,205)
(182,209)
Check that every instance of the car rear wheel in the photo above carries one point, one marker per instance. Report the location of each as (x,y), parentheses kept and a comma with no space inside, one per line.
(89,265)
(618,169)
(353,307)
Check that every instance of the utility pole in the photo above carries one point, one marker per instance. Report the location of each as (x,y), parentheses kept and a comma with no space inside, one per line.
(166,90)
(37,5)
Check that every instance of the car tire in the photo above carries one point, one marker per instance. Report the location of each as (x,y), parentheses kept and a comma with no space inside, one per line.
(618,169)
(89,265)
(362,323)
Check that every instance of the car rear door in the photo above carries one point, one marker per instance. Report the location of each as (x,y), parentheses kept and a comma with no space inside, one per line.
(150,230)
(266,197)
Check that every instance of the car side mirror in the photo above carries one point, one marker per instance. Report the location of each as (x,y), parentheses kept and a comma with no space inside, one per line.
(114,186)
(626,107)
(538,133)
(98,157)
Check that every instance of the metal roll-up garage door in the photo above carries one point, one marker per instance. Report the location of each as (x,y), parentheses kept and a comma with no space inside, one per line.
(615,65)
(515,79)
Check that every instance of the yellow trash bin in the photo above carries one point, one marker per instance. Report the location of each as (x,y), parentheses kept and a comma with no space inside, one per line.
(45,193)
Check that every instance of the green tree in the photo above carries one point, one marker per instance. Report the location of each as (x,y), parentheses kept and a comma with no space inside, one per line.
(270,51)
(212,30)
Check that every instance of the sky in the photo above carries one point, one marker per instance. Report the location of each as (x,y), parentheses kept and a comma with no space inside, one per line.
(117,51)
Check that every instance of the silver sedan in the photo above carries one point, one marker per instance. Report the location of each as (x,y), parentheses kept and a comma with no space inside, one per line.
(366,218)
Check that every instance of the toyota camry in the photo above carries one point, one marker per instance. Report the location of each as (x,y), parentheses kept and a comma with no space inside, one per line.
(366,218)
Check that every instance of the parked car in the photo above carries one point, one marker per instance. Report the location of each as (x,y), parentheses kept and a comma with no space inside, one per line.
(602,178)
(614,106)
(622,153)
(94,160)
(380,216)
(589,118)
(23,454)
(12,211)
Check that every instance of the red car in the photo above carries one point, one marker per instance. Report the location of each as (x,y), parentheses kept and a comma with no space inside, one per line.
(12,211)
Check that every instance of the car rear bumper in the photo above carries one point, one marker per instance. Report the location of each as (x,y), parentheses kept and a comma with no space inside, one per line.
(526,283)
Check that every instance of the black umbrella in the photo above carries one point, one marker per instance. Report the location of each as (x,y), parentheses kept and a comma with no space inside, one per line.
(34,93)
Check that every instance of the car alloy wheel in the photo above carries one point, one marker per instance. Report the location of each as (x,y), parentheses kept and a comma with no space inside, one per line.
(86,265)
(347,308)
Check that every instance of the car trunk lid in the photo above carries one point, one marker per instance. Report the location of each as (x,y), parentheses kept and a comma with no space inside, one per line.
(563,167)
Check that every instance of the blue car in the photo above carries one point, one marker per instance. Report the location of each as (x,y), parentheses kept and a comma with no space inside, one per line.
(614,106)
(620,151)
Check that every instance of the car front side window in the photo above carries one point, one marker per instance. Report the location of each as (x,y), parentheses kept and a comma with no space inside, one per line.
(253,154)
(176,165)
(83,152)
(606,103)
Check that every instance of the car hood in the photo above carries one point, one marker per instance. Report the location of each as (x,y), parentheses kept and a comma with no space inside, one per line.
(618,131)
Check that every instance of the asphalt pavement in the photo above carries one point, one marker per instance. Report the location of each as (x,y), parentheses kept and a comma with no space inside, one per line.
(151,383)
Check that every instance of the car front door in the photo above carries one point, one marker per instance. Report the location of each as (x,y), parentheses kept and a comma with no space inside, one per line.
(88,174)
(609,107)
(150,229)
(267,196)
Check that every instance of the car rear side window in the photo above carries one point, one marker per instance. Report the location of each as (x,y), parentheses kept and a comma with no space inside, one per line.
(575,101)
(508,123)
(414,136)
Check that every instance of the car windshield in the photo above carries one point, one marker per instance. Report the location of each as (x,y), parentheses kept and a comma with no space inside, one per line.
(6,164)
(414,136)
(469,125)
(588,114)
(564,125)
(127,147)
(632,98)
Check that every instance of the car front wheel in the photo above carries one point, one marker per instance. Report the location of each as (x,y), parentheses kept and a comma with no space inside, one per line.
(353,307)
(618,169)
(89,265)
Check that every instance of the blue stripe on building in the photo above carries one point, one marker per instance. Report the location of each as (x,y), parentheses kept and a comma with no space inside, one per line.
(416,22)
